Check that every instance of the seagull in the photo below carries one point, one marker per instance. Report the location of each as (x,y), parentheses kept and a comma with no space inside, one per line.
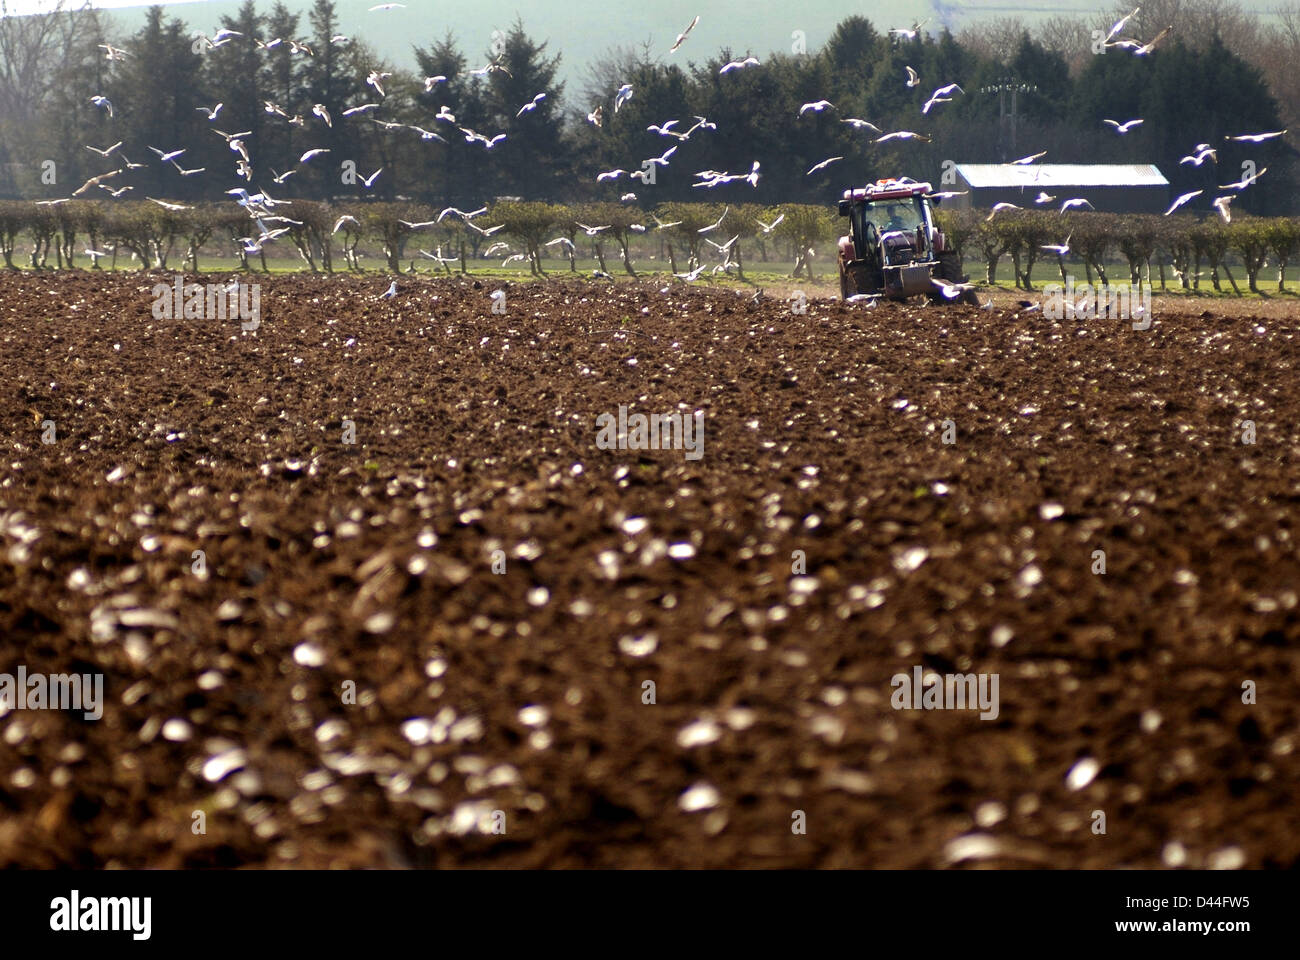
(857,124)
(111,52)
(187,173)
(388,6)
(822,166)
(909,34)
(622,96)
(818,106)
(427,134)
(769,227)
(531,105)
(281,177)
(903,135)
(1118,25)
(1076,202)
(663,161)
(997,208)
(339,38)
(1142,51)
(352,111)
(596,116)
(316,152)
(1221,204)
(417,226)
(1244,138)
(95,182)
(692,276)
(1244,182)
(627,198)
(663,129)
(1060,249)
(390,292)
(941,95)
(320,110)
(371,179)
(1043,197)
(167,156)
(660,225)
(562,241)
(169,206)
(106,151)
(591,231)
(376,80)
(739,65)
(947,194)
(484,231)
(913,78)
(431,82)
(103,103)
(345,219)
(681,37)
(1029,159)
(1197,156)
(610,175)
(212,111)
(461,213)
(115,193)
(951,291)
(1123,127)
(715,226)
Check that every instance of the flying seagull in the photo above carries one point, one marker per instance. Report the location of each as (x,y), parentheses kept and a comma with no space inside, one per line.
(681,37)
(1123,127)
(739,65)
(1244,138)
(823,165)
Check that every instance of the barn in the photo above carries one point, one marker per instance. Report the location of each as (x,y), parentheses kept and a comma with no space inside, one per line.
(1110,187)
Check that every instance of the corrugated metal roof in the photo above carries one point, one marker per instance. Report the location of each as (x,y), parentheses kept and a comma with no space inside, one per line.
(1033,175)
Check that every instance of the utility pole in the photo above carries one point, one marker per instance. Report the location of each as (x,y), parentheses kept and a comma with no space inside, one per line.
(1008,88)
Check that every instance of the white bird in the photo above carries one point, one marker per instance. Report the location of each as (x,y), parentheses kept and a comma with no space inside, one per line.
(353,111)
(622,96)
(818,106)
(281,177)
(562,241)
(169,206)
(224,34)
(1251,137)
(187,173)
(390,292)
(1123,127)
(739,65)
(387,6)
(376,80)
(1043,197)
(1146,48)
(345,219)
(1029,159)
(445,115)
(857,124)
(663,129)
(660,225)
(941,95)
(1244,182)
(692,276)
(106,151)
(909,34)
(769,227)
(596,116)
(913,78)
(427,134)
(1118,25)
(903,135)
(822,166)
(417,226)
(103,103)
(431,82)
(315,152)
(211,112)
(627,198)
(172,155)
(1221,204)
(1076,202)
(998,208)
(663,160)
(591,231)
(715,226)
(115,193)
(484,231)
(368,181)
(499,246)
(681,37)
(461,213)
(111,52)
(320,110)
(1060,249)
(1199,155)
(951,291)
(531,105)
(610,175)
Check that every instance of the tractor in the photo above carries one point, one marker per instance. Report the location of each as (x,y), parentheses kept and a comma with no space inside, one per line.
(894,249)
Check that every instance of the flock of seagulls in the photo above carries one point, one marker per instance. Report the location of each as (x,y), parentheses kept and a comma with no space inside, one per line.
(260,206)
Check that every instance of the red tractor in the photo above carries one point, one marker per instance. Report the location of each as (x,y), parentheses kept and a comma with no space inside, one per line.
(894,249)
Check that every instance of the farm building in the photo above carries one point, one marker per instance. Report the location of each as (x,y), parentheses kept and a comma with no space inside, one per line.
(1111,187)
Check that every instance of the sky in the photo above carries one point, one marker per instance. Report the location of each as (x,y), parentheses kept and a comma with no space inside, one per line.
(585,31)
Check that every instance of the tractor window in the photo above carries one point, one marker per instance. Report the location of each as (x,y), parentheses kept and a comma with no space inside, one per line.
(895,215)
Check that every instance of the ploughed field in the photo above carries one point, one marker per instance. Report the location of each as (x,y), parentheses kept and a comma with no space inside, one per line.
(350,674)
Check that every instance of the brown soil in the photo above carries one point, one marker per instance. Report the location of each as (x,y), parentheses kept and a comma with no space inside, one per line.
(822,434)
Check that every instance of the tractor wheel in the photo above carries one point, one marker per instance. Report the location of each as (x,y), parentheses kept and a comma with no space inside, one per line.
(856,279)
